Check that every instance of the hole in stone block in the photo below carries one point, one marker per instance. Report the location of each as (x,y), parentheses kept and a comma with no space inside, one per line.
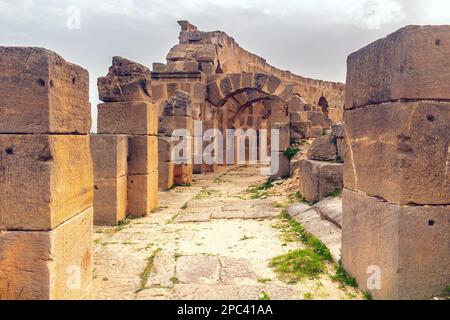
(437,42)
(431,223)
(41,82)
(95,187)
(430,118)
(9,151)
(74,80)
(51,83)
(132,181)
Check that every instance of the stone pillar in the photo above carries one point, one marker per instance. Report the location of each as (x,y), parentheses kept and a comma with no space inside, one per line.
(128,110)
(176,115)
(46,183)
(396,202)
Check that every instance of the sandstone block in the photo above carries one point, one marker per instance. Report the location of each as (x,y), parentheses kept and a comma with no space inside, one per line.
(165,147)
(409,244)
(408,64)
(109,155)
(165,175)
(42,265)
(179,105)
(126,81)
(316,132)
(110,201)
(138,118)
(284,166)
(338,130)
(320,179)
(323,148)
(316,118)
(40,92)
(142,194)
(142,154)
(303,129)
(284,135)
(183,174)
(400,152)
(44,180)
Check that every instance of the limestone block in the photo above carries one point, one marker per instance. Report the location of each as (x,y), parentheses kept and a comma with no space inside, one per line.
(320,179)
(109,155)
(323,148)
(409,244)
(284,135)
(126,81)
(159,67)
(165,175)
(316,132)
(400,152)
(142,194)
(44,180)
(411,63)
(142,154)
(42,265)
(316,118)
(138,118)
(40,92)
(110,201)
(183,174)
(168,124)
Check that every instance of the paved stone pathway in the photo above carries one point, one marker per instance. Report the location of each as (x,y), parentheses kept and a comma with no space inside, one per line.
(210,240)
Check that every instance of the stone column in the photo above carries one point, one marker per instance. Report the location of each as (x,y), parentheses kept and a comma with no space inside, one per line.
(46,183)
(128,110)
(396,202)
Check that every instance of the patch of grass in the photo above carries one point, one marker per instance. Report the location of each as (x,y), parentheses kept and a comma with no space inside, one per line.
(264,280)
(368,296)
(263,296)
(307,238)
(206,193)
(296,197)
(261,191)
(291,152)
(148,269)
(184,206)
(174,280)
(171,188)
(298,264)
(343,277)
(308,296)
(336,193)
(244,238)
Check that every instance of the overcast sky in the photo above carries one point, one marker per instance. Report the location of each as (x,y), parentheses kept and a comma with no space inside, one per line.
(309,37)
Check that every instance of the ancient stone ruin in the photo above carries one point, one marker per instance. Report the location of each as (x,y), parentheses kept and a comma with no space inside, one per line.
(46,183)
(397,185)
(390,160)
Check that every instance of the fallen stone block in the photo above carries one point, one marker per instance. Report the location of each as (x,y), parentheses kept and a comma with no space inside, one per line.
(126,81)
(142,194)
(400,152)
(109,155)
(323,148)
(110,201)
(406,246)
(137,118)
(319,180)
(408,64)
(43,265)
(44,180)
(40,92)
(142,154)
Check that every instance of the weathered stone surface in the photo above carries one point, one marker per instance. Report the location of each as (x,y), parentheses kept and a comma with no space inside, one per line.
(165,147)
(316,118)
(284,135)
(320,179)
(410,245)
(330,209)
(40,92)
(168,124)
(42,265)
(138,118)
(316,132)
(302,129)
(338,130)
(166,175)
(400,152)
(284,166)
(110,201)
(179,105)
(408,64)
(109,155)
(323,149)
(142,194)
(183,174)
(126,81)
(142,154)
(44,180)
(198,269)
